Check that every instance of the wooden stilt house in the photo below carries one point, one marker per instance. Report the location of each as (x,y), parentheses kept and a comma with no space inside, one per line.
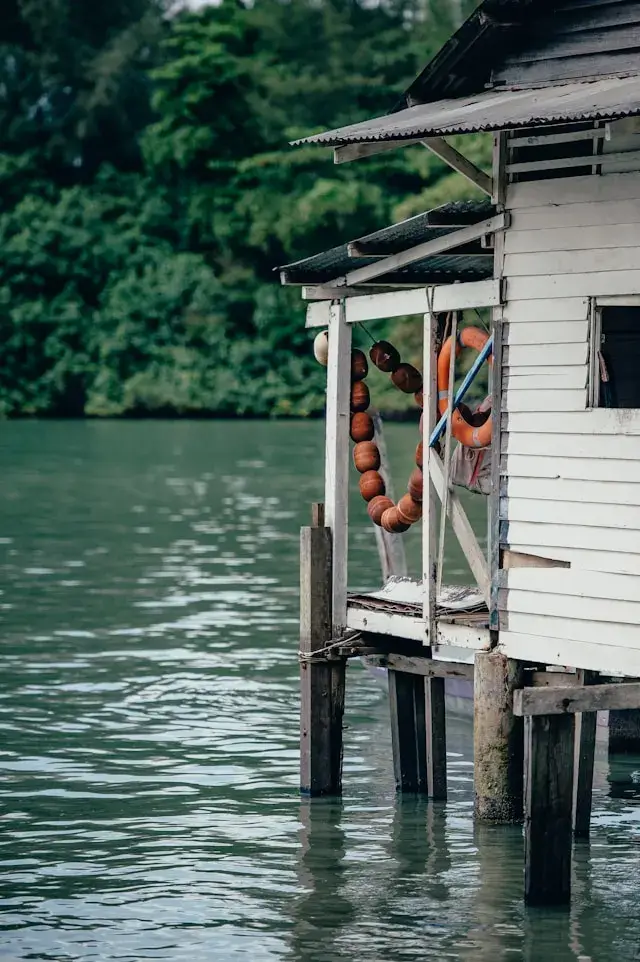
(554,251)
(561,87)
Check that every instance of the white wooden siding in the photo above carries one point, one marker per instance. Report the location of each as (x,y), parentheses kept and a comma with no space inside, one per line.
(570,476)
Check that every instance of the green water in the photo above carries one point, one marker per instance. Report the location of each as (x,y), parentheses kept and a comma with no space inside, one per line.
(148,714)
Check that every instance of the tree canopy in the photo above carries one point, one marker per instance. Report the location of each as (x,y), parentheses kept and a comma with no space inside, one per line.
(148,193)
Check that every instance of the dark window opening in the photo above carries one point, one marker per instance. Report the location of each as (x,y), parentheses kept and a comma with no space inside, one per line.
(619,357)
(549,151)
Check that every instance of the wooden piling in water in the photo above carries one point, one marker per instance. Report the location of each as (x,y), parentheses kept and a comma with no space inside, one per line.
(548,809)
(408,730)
(322,681)
(583,760)
(497,739)
(624,732)
(436,739)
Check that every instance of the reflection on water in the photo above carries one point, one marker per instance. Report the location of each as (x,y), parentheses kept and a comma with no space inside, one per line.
(148,712)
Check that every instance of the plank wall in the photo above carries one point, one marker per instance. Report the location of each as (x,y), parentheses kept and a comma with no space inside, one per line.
(570,477)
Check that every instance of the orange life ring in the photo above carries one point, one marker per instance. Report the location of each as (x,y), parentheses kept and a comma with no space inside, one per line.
(468,435)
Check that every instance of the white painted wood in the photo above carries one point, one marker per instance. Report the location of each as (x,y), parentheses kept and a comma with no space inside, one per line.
(620,516)
(566,606)
(544,400)
(554,374)
(545,309)
(595,469)
(429,507)
(572,190)
(447,297)
(318,314)
(474,638)
(585,560)
(562,379)
(557,651)
(619,300)
(547,332)
(386,623)
(596,421)
(461,527)
(455,160)
(575,285)
(571,536)
(544,355)
(575,629)
(562,489)
(563,163)
(587,214)
(336,494)
(572,262)
(620,448)
(578,584)
(448,451)
(437,245)
(573,238)
(569,136)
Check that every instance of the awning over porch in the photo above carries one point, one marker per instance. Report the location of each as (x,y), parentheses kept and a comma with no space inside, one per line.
(610,98)
(470,261)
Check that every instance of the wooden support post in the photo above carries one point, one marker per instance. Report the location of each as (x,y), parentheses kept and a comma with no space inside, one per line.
(408,731)
(436,739)
(583,759)
(497,739)
(548,807)
(336,463)
(624,732)
(322,682)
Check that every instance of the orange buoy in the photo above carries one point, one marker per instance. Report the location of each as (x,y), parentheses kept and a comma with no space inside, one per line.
(359,365)
(361,427)
(385,357)
(407,378)
(392,522)
(469,435)
(371,485)
(359,396)
(366,456)
(415,484)
(409,510)
(377,507)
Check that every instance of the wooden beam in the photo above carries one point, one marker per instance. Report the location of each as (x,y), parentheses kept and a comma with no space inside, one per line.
(321,685)
(349,152)
(429,514)
(548,804)
(337,458)
(436,739)
(565,701)
(452,157)
(498,740)
(462,528)
(446,297)
(408,731)
(425,666)
(437,245)
(583,761)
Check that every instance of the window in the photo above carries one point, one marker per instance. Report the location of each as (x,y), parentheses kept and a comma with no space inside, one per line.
(615,355)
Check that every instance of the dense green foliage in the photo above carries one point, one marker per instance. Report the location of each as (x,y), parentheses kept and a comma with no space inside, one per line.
(147,193)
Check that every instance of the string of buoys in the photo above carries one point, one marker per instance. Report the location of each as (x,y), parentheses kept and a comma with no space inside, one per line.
(366,456)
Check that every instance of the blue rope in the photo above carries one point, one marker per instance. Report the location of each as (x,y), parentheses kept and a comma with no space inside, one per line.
(462,390)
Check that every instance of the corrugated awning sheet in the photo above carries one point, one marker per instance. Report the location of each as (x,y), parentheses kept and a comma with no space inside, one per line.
(496,110)
(469,263)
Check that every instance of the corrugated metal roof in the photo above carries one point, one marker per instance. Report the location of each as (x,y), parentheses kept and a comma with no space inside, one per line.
(496,110)
(469,263)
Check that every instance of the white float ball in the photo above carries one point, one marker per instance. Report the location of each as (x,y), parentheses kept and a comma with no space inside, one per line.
(321,348)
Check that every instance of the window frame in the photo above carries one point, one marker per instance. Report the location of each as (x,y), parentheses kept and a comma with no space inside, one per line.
(596,305)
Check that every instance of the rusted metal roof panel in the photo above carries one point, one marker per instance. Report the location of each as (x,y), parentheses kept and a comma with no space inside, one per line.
(611,98)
